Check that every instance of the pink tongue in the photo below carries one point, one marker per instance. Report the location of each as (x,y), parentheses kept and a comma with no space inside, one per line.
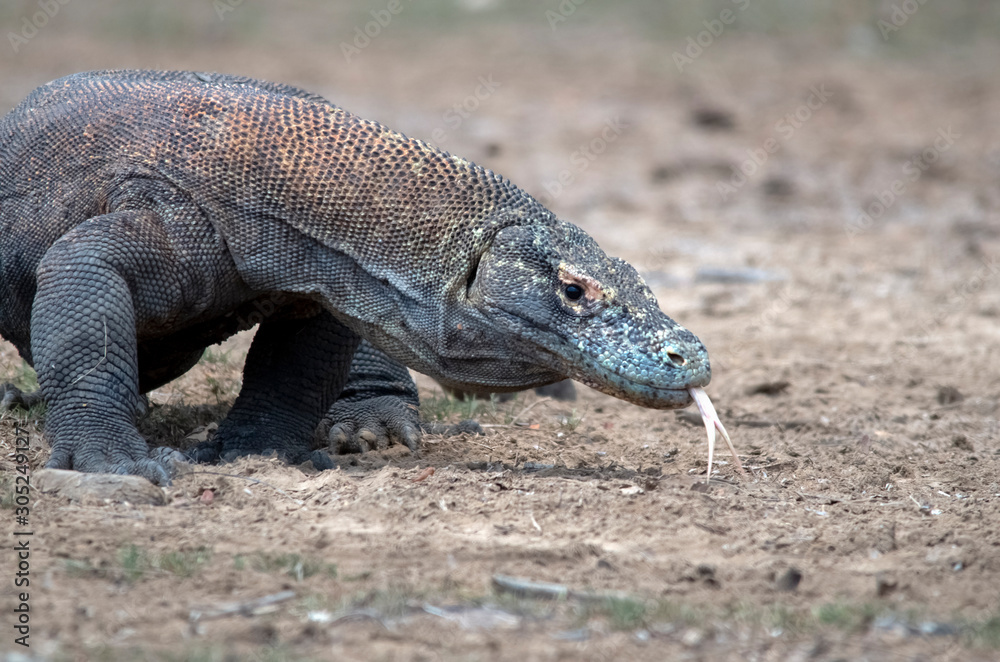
(712,423)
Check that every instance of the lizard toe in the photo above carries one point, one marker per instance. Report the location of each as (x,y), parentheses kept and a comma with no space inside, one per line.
(409,436)
(341,438)
(61,458)
(370,439)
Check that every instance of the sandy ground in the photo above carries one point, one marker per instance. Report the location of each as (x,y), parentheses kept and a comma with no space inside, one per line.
(825,220)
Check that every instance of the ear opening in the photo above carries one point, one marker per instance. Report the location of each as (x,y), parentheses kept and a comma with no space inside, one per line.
(473,273)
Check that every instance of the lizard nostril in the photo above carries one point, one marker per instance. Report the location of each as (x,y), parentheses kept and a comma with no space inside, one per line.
(676,358)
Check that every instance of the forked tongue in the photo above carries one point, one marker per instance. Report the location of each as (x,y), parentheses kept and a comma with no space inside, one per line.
(712,422)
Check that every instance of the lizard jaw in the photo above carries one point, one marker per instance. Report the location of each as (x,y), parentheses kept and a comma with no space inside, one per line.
(644,395)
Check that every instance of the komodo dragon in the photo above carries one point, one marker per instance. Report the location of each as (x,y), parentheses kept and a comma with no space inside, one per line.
(145,216)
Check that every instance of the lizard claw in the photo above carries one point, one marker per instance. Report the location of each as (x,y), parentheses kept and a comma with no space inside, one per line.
(374,423)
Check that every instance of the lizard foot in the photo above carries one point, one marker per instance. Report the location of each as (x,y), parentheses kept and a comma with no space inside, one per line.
(377,423)
(374,423)
(11,397)
(127,458)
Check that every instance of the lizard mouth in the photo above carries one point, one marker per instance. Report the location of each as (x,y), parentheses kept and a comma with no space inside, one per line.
(644,395)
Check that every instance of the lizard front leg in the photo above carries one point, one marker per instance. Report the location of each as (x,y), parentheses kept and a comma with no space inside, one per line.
(83,339)
(294,370)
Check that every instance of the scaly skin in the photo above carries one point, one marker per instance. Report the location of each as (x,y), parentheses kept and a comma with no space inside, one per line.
(147,215)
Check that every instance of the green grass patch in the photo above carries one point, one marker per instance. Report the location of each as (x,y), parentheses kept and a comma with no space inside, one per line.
(393,602)
(24,377)
(189,652)
(446,408)
(183,564)
(7,492)
(573,421)
(985,634)
(222,389)
(621,613)
(845,616)
(133,563)
(33,416)
(670,611)
(625,613)
(219,356)
(294,565)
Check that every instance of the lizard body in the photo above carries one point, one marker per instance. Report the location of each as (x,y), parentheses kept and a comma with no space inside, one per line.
(147,215)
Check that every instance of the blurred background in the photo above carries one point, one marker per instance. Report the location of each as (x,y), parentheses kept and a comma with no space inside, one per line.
(810,187)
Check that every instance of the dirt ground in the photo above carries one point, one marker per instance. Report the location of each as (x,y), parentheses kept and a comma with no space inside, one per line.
(821,210)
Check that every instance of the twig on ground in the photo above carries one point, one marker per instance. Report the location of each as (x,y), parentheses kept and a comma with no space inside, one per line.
(253,607)
(525,588)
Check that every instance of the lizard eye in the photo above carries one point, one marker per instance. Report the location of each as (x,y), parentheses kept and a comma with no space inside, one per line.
(573,292)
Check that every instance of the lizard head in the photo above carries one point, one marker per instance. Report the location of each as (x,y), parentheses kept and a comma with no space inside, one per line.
(586,315)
